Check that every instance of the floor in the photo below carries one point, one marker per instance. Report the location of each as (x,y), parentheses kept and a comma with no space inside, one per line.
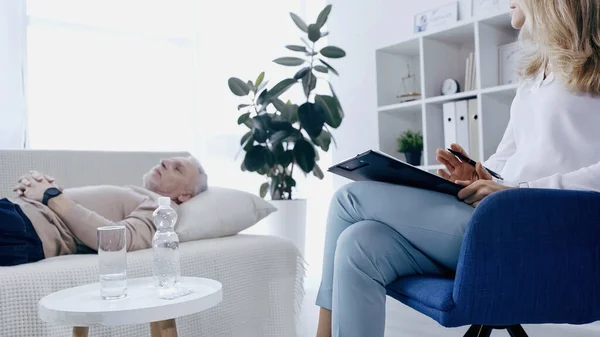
(402,321)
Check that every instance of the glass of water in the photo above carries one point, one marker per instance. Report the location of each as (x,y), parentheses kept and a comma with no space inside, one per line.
(112,260)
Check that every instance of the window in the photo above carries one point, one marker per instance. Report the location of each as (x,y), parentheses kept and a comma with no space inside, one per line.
(152,75)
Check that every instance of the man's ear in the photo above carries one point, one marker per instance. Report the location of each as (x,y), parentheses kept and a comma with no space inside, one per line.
(184,197)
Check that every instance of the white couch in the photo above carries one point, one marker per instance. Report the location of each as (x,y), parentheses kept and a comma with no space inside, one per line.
(262,276)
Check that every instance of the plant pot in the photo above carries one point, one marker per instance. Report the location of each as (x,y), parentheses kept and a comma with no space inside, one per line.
(288,222)
(413,157)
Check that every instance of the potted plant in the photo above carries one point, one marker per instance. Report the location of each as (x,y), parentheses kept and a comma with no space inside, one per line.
(283,137)
(411,144)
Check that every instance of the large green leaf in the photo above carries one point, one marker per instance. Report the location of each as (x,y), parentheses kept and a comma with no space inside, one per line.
(255,158)
(279,89)
(289,61)
(309,83)
(289,112)
(264,188)
(269,159)
(262,85)
(299,22)
(260,78)
(337,100)
(261,128)
(261,98)
(317,172)
(285,158)
(281,126)
(238,87)
(301,73)
(329,105)
(278,136)
(304,153)
(321,69)
(314,33)
(323,140)
(312,118)
(329,67)
(243,118)
(322,19)
(245,138)
(296,48)
(333,52)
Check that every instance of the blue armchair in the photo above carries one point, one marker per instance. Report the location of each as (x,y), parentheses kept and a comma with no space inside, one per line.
(529,256)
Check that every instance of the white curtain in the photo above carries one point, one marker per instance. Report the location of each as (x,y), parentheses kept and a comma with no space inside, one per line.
(152,75)
(12,68)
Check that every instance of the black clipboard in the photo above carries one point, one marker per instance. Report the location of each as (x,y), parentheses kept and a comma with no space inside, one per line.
(376,166)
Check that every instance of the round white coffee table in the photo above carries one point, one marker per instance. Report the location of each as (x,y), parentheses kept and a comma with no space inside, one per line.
(81,307)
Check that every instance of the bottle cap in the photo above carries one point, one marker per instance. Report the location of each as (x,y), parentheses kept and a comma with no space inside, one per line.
(164,201)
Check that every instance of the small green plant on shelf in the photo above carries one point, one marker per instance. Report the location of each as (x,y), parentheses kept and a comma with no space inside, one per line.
(411,144)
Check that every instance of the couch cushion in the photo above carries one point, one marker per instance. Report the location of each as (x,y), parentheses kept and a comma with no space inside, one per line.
(433,292)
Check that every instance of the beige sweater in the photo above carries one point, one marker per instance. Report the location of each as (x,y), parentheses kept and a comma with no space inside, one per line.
(96,206)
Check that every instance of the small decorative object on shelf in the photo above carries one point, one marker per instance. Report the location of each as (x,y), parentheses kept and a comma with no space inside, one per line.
(470,73)
(409,87)
(411,144)
(509,56)
(484,7)
(436,18)
(450,87)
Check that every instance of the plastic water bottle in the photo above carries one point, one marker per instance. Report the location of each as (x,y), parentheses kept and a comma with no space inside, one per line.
(165,245)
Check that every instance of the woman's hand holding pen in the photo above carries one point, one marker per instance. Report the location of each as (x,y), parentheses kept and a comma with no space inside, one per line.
(456,169)
(477,180)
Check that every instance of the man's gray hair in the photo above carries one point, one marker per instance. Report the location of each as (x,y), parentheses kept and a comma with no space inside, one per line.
(201,184)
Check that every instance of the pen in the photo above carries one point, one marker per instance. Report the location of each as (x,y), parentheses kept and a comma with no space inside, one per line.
(473,163)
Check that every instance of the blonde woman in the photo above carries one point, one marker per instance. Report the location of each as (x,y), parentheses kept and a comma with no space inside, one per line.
(377,233)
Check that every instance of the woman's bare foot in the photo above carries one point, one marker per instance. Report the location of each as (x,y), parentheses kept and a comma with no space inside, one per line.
(324,327)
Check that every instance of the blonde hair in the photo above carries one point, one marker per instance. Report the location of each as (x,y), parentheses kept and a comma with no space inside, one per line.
(564,34)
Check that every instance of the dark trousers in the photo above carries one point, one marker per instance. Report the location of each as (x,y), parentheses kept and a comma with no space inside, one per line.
(19,243)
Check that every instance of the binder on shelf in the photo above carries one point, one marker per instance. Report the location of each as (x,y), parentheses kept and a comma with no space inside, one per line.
(474,148)
(462,125)
(449,115)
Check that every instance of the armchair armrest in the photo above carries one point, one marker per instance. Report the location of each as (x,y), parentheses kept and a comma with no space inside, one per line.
(531,256)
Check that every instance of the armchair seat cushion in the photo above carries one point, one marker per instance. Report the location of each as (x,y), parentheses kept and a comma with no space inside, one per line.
(432,292)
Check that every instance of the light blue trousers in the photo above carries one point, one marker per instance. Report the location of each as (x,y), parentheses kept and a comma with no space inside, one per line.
(376,233)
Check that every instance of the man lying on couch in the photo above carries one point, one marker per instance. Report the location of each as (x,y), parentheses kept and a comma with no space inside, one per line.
(44,221)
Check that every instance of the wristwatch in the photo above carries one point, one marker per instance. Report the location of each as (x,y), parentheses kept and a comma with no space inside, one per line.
(49,194)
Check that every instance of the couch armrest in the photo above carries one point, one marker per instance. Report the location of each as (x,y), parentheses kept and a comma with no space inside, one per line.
(531,256)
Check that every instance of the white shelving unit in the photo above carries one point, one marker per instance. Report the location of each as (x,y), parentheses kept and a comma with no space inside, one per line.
(433,57)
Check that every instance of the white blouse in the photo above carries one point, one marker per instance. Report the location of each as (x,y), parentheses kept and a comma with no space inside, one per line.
(552,139)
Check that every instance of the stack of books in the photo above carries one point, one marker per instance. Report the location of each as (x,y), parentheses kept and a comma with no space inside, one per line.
(470,72)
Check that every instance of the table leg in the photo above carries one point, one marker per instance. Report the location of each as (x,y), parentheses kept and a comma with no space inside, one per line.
(166,328)
(79,331)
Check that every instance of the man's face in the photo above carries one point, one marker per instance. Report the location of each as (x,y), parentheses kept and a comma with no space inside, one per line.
(174,178)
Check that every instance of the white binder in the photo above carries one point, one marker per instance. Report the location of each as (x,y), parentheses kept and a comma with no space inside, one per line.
(474,130)
(462,125)
(449,115)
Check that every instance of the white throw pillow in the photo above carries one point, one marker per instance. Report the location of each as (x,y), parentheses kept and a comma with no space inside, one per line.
(219,212)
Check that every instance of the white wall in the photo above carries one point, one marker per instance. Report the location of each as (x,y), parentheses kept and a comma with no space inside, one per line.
(360,27)
(12,57)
